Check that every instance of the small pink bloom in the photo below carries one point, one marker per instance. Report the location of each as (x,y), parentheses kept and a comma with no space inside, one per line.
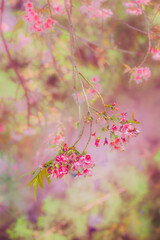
(65,147)
(105,141)
(97,142)
(87,172)
(95,79)
(88,157)
(114,128)
(94,134)
(76,166)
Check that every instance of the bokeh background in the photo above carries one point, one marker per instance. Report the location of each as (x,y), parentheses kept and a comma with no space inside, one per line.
(121,201)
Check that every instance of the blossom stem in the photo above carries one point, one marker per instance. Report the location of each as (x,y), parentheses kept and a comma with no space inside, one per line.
(21,80)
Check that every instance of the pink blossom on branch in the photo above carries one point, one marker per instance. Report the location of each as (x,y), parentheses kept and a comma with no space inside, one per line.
(141,73)
(35,22)
(93,11)
(133,7)
(69,162)
(155,53)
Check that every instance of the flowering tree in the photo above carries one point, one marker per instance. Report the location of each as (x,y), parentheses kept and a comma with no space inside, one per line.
(56,35)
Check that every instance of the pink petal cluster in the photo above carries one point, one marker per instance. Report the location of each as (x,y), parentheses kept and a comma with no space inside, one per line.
(141,73)
(133,7)
(155,53)
(120,132)
(58,8)
(97,142)
(35,22)
(66,163)
(93,10)
(123,134)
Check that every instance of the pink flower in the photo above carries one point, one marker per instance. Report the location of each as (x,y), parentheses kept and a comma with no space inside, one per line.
(61,159)
(88,157)
(95,79)
(155,53)
(36,23)
(87,172)
(76,166)
(117,144)
(123,118)
(58,9)
(93,11)
(141,74)
(28,5)
(105,141)
(114,128)
(65,147)
(97,142)
(134,7)
(94,134)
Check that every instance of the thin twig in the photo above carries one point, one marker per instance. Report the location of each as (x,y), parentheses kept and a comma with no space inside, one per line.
(148,35)
(90,135)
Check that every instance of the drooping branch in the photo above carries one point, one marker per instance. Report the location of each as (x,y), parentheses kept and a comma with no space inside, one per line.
(20,78)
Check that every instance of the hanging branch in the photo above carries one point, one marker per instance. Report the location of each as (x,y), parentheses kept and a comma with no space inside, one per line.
(21,80)
(75,69)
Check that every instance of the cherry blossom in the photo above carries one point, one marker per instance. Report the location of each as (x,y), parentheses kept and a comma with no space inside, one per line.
(141,73)
(155,53)
(133,7)
(64,163)
(35,22)
(93,11)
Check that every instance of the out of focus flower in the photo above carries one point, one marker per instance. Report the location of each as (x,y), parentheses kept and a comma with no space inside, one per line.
(133,7)
(93,11)
(97,142)
(35,22)
(141,73)
(155,53)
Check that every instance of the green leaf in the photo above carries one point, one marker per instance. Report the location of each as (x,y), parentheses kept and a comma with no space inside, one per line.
(47,177)
(133,121)
(35,185)
(34,176)
(40,180)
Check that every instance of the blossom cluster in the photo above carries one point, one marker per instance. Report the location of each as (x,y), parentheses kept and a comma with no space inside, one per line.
(133,7)
(36,23)
(58,8)
(119,133)
(91,92)
(69,161)
(93,10)
(155,53)
(141,73)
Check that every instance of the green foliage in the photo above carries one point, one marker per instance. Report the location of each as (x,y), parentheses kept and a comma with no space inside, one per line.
(21,230)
